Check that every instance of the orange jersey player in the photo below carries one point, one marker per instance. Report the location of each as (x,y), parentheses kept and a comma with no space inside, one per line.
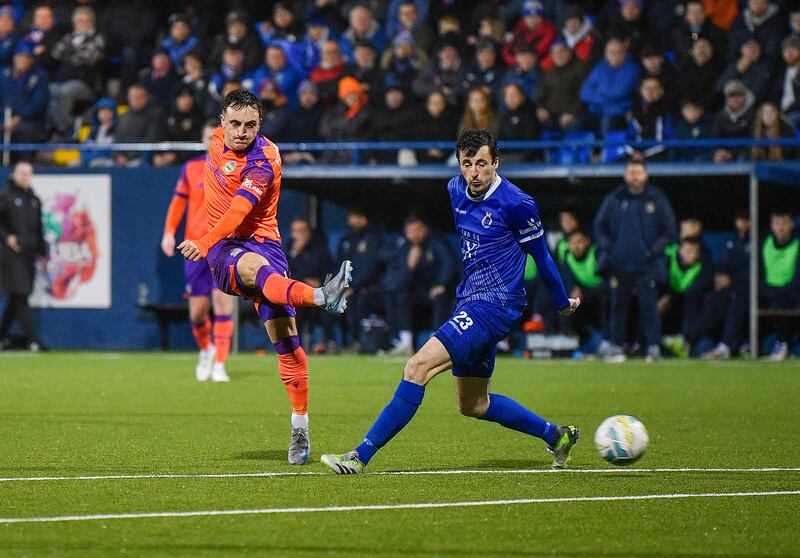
(243,247)
(189,199)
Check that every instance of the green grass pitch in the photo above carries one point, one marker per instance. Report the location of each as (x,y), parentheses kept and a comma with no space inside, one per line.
(99,414)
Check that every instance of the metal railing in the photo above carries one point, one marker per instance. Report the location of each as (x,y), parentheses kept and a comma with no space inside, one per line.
(357,149)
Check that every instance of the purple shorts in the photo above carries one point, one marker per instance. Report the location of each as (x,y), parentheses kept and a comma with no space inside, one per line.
(222,259)
(198,278)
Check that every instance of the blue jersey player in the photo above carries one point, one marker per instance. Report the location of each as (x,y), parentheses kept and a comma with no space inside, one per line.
(497,224)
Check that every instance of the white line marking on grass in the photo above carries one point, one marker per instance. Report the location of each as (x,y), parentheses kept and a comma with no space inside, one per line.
(401,473)
(329,509)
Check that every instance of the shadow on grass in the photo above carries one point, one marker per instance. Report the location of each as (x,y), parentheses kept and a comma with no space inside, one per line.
(263,455)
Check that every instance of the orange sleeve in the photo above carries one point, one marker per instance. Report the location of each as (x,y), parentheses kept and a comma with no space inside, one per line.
(174,214)
(240,207)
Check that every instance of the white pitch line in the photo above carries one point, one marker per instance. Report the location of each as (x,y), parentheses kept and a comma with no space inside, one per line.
(401,473)
(330,509)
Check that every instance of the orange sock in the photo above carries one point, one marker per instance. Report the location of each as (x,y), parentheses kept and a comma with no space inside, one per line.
(223,331)
(202,334)
(282,290)
(293,369)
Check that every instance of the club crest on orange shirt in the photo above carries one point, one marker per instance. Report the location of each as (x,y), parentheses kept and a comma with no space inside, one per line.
(229,166)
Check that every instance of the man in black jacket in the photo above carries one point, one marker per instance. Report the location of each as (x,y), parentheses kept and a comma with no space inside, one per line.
(362,246)
(22,243)
(634,225)
(419,272)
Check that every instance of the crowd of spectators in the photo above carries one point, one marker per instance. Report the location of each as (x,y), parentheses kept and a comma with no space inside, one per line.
(648,282)
(340,70)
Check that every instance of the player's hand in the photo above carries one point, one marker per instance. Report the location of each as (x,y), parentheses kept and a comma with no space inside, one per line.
(13,242)
(573,305)
(168,245)
(190,250)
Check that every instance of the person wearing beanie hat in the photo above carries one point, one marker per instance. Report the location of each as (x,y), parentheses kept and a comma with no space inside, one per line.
(180,40)
(735,120)
(103,132)
(404,62)
(348,120)
(531,29)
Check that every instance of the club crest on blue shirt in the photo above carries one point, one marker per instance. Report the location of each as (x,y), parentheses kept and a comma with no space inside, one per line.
(487,220)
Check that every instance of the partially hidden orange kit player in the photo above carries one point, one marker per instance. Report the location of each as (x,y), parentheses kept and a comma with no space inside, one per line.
(189,199)
(243,247)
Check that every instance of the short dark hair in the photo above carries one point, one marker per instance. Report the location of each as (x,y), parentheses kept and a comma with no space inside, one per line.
(414,218)
(470,141)
(781,213)
(240,99)
(635,158)
(578,231)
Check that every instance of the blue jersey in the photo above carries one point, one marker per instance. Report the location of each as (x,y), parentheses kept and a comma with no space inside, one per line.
(495,233)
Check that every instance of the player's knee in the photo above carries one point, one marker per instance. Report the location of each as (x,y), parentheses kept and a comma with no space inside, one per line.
(247,267)
(416,371)
(475,408)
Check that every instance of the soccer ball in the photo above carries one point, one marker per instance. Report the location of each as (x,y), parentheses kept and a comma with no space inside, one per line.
(621,439)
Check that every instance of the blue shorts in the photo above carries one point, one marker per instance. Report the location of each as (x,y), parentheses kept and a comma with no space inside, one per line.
(198,278)
(471,336)
(223,257)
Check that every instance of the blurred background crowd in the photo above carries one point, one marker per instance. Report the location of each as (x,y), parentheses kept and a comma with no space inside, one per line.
(340,70)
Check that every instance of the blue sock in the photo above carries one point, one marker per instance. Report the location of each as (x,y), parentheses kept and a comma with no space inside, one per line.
(407,399)
(504,410)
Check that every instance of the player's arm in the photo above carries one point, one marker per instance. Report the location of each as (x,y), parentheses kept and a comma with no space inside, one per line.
(252,190)
(527,228)
(175,212)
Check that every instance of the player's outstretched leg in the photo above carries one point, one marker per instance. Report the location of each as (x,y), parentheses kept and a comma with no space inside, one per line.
(507,412)
(279,289)
(431,359)
(475,401)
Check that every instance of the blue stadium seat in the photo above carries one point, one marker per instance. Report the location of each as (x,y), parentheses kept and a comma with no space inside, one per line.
(570,155)
(615,152)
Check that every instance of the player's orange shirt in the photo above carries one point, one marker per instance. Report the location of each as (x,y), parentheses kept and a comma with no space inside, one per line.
(254,174)
(189,194)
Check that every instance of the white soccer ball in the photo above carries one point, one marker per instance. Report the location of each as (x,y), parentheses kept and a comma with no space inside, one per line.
(621,439)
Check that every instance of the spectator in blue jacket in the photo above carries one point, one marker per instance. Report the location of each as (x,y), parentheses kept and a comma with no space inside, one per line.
(8,36)
(419,272)
(609,88)
(365,27)
(24,89)
(180,40)
(232,70)
(276,67)
(634,225)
